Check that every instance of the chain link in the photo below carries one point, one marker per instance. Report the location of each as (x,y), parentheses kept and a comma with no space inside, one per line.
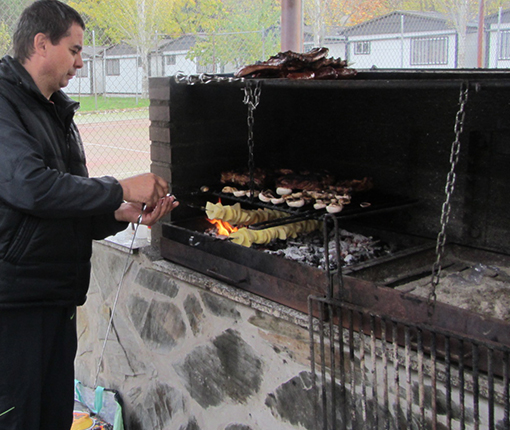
(252,91)
(203,78)
(449,188)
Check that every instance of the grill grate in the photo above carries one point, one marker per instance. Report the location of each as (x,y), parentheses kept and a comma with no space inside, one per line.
(372,371)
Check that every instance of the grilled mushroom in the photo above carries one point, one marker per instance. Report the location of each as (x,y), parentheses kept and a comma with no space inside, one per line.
(267,195)
(228,190)
(277,200)
(282,191)
(334,208)
(295,202)
(319,204)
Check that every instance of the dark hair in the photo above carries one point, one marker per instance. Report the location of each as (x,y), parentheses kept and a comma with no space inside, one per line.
(50,17)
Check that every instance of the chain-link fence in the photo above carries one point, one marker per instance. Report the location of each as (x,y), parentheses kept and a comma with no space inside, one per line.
(112,85)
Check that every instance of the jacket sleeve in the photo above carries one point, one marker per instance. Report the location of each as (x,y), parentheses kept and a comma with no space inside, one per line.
(28,185)
(106,225)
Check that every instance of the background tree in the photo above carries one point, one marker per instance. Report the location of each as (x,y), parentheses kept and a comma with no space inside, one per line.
(11,10)
(227,26)
(248,29)
(5,39)
(323,14)
(134,22)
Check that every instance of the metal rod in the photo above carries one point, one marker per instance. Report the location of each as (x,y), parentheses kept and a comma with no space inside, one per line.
(506,389)
(352,370)
(338,280)
(421,379)
(332,360)
(347,214)
(490,377)
(448,382)
(312,354)
(343,399)
(385,376)
(323,369)
(476,388)
(433,371)
(117,294)
(362,365)
(462,396)
(409,388)
(375,397)
(396,379)
(325,233)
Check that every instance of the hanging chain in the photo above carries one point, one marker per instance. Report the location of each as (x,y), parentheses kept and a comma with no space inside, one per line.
(449,188)
(203,78)
(252,91)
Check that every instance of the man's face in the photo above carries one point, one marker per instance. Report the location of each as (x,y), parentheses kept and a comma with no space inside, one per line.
(64,59)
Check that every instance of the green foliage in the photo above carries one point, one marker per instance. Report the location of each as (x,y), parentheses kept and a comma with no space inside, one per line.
(247,29)
(132,21)
(5,39)
(197,16)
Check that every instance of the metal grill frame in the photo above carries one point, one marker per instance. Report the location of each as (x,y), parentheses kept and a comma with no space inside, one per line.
(444,380)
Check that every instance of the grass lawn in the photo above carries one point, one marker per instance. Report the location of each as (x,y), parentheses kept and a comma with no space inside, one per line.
(88,103)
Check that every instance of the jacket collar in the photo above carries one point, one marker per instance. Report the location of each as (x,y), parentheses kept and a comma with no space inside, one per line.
(13,71)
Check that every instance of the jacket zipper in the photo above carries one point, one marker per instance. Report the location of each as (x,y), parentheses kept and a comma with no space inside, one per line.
(21,239)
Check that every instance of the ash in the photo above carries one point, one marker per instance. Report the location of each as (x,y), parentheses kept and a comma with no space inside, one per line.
(309,249)
(477,287)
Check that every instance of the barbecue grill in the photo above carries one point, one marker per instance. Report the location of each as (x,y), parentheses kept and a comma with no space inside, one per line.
(441,206)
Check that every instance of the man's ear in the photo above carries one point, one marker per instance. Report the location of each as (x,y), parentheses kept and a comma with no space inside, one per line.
(40,44)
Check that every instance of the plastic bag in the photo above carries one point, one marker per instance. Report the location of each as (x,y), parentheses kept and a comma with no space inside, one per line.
(96,409)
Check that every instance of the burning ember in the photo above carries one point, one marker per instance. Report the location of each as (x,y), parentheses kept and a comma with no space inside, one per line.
(222,228)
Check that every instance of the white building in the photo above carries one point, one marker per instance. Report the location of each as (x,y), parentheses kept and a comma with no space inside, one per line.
(90,78)
(408,40)
(398,40)
(498,40)
(172,57)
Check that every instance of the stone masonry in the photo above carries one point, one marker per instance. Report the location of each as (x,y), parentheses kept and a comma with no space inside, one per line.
(187,352)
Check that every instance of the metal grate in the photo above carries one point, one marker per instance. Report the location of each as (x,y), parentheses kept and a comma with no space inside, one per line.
(372,371)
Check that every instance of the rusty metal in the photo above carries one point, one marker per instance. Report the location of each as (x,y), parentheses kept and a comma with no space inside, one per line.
(437,374)
(380,347)
(291,283)
(449,188)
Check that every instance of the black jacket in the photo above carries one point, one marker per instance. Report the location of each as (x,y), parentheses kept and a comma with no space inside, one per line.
(50,211)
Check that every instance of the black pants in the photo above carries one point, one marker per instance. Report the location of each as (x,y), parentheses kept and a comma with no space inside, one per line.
(37,351)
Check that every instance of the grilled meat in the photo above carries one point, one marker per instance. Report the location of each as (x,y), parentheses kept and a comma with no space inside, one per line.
(313,64)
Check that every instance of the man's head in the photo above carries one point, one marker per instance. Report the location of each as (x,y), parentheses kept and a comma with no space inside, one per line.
(48,42)
(50,17)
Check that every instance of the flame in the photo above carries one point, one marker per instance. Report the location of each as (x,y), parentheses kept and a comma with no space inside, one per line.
(223,228)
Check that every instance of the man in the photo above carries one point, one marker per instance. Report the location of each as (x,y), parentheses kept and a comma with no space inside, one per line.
(50,211)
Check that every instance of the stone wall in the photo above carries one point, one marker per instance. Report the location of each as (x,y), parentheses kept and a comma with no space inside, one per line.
(188,352)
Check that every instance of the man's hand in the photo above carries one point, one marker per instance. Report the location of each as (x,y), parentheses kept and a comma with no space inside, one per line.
(146,188)
(129,212)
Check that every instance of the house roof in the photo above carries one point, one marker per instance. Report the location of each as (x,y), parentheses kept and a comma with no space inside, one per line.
(121,49)
(392,23)
(331,33)
(182,43)
(494,18)
(88,51)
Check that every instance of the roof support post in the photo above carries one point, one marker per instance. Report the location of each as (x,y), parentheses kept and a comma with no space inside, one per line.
(292,26)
